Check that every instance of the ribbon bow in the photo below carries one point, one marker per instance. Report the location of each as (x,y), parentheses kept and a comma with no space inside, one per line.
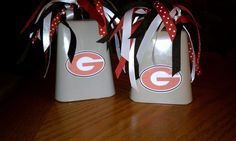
(139,24)
(47,16)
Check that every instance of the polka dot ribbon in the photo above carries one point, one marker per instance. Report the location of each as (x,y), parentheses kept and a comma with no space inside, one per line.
(171,29)
(167,20)
(99,7)
(49,15)
(191,19)
(97,14)
(54,23)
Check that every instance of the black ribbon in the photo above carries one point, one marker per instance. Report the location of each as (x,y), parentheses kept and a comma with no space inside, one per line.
(138,35)
(193,32)
(72,47)
(176,50)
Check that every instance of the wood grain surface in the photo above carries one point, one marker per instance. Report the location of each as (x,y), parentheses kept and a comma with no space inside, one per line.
(32,114)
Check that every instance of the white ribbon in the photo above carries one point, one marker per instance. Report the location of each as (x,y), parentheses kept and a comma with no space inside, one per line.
(155,26)
(69,13)
(150,32)
(132,78)
(47,20)
(51,3)
(125,45)
(46,31)
(148,36)
(117,46)
(109,13)
(194,57)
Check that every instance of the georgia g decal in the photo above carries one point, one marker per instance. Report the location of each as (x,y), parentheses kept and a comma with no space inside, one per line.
(86,64)
(159,79)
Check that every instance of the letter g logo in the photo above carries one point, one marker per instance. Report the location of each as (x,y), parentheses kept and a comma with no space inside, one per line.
(86,64)
(159,79)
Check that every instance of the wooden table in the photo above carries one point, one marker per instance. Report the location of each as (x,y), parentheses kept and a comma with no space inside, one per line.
(31,113)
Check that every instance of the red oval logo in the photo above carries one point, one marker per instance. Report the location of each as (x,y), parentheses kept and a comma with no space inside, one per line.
(159,79)
(86,64)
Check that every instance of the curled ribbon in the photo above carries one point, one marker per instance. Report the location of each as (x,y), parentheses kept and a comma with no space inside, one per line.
(138,26)
(49,15)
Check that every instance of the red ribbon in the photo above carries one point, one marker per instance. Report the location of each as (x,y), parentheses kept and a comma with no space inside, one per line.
(83,3)
(186,19)
(92,11)
(122,61)
(99,8)
(166,19)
